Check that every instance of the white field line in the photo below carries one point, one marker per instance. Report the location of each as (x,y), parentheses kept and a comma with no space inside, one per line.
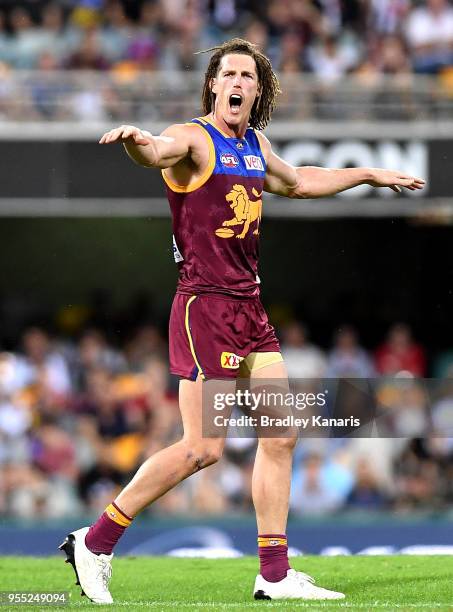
(313,605)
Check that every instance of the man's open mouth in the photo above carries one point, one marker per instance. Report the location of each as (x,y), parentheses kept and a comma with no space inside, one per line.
(235,102)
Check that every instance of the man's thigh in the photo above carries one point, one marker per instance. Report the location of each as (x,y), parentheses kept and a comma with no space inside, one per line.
(196,403)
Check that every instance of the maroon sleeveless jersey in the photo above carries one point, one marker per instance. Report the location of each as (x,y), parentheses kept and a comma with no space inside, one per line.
(216,220)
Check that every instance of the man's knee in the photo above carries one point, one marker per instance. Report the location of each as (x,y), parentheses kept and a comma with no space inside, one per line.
(279,445)
(204,453)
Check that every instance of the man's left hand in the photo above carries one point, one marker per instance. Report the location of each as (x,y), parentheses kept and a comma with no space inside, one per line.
(394,180)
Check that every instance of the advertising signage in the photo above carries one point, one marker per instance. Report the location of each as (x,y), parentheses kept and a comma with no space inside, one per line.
(49,177)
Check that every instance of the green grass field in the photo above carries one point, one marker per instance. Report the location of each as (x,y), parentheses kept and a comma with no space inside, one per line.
(163,583)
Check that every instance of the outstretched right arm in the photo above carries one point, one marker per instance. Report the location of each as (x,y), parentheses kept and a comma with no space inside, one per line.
(163,151)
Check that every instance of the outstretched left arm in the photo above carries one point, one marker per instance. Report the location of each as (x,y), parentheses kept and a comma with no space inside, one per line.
(314,182)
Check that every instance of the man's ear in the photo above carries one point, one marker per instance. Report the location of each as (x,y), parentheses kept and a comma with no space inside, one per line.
(214,85)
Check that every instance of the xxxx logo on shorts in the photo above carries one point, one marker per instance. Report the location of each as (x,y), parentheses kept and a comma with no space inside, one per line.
(230,361)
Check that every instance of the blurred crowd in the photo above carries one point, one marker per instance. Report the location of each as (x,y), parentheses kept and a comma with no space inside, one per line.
(374,41)
(327,37)
(78,415)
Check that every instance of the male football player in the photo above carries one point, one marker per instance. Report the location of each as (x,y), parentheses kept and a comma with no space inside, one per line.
(215,168)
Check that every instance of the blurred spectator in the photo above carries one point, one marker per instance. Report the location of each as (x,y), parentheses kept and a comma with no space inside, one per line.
(366,493)
(400,353)
(14,373)
(55,39)
(348,358)
(89,55)
(48,88)
(53,452)
(381,452)
(394,100)
(387,16)
(225,14)
(236,475)
(206,493)
(291,49)
(279,18)
(302,359)
(332,17)
(116,32)
(86,15)
(150,18)
(26,43)
(99,400)
(40,357)
(119,433)
(29,494)
(93,353)
(179,52)
(442,412)
(5,40)
(327,60)
(404,405)
(419,478)
(309,18)
(256,32)
(144,52)
(392,57)
(144,48)
(147,342)
(164,426)
(88,105)
(319,488)
(429,32)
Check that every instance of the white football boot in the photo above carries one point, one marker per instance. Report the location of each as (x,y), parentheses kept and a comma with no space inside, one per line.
(93,572)
(296,585)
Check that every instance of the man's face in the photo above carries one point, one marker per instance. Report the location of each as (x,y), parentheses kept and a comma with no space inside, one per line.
(236,88)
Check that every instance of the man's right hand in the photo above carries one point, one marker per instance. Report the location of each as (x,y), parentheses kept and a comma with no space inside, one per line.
(127,132)
(163,151)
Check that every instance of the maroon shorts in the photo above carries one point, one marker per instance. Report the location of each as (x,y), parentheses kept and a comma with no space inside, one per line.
(212,335)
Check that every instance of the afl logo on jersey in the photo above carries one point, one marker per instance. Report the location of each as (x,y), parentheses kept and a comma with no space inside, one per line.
(229,160)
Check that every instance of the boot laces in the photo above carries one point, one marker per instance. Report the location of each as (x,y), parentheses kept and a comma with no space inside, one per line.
(105,571)
(302,577)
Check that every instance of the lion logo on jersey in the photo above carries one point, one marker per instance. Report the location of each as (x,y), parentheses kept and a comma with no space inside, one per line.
(246,211)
